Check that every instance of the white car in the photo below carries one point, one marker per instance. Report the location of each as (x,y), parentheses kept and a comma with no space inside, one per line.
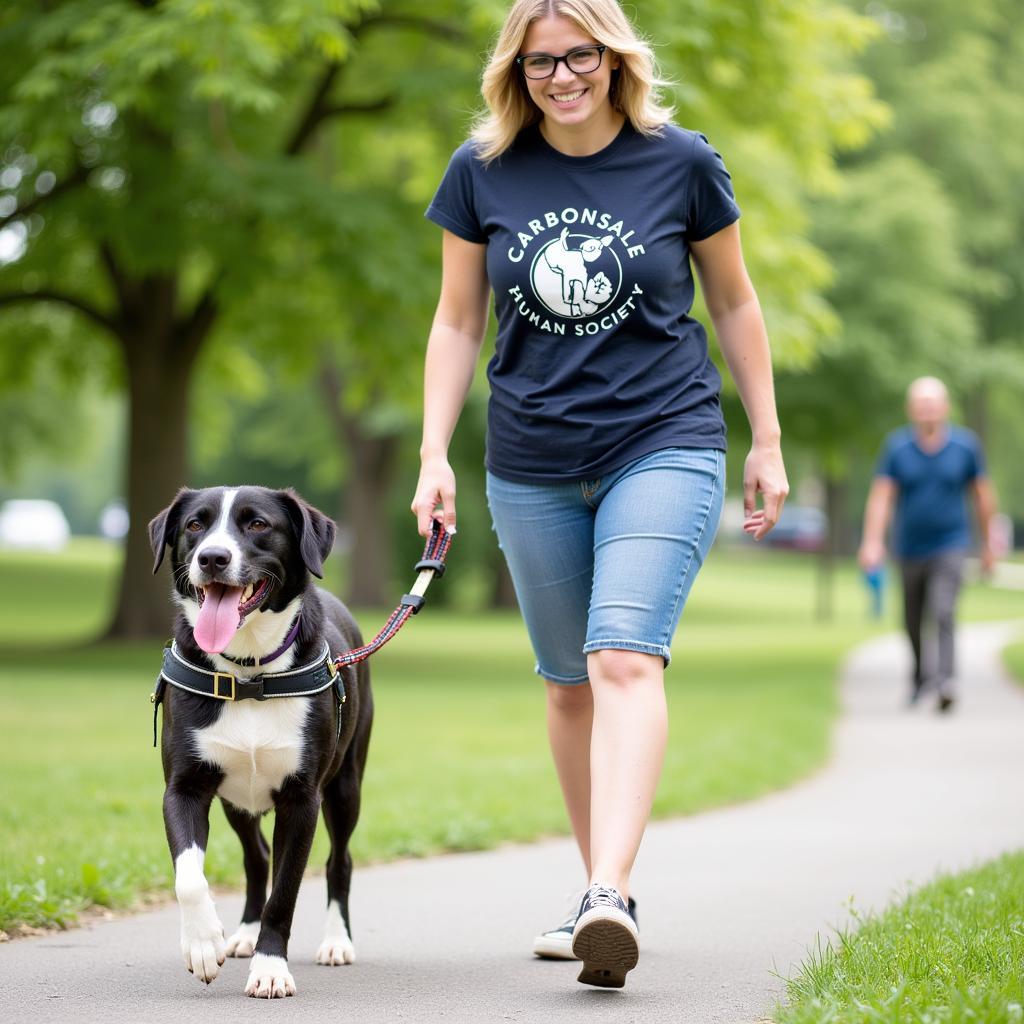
(35,524)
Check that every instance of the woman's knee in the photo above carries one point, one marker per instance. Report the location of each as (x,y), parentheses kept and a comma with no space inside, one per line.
(624,668)
(577,697)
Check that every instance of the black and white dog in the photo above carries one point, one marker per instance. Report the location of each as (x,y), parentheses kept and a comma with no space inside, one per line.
(241,559)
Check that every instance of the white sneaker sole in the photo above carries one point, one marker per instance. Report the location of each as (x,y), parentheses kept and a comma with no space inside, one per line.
(554,948)
(606,940)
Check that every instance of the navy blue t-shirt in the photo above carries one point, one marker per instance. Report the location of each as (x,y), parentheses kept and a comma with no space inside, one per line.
(597,360)
(931,508)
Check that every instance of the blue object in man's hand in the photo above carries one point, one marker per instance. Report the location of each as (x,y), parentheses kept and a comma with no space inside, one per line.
(875,580)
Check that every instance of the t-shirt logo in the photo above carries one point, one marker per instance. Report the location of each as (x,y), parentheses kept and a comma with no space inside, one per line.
(576,275)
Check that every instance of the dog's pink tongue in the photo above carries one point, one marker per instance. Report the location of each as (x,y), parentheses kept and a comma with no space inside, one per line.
(218,618)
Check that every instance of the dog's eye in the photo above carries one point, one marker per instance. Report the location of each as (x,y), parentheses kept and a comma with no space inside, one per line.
(193,526)
(259,525)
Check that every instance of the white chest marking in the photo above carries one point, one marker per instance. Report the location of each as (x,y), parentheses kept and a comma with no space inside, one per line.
(257,745)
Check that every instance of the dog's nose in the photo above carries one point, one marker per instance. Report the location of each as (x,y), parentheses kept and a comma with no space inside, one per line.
(214,558)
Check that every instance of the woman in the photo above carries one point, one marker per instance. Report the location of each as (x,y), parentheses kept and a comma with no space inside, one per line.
(581,205)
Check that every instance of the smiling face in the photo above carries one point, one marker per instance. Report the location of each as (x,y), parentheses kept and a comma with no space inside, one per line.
(566,99)
(238,551)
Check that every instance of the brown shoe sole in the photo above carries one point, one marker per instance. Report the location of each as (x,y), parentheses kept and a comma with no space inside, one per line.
(608,949)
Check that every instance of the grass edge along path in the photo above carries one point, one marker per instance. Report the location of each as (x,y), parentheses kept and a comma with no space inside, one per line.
(952,952)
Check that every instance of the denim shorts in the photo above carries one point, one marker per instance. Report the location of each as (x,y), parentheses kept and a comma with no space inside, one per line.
(608,563)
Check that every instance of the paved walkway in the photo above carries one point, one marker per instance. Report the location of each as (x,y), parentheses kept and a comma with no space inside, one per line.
(726,898)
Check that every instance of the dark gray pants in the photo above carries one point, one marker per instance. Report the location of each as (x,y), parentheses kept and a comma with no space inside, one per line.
(930,589)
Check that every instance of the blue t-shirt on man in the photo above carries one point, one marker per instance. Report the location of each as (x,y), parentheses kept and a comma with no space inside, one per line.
(597,361)
(931,510)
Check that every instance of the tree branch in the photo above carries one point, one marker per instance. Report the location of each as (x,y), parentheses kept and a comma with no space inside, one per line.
(104,320)
(79,177)
(318,109)
(314,111)
(368,107)
(196,326)
(122,286)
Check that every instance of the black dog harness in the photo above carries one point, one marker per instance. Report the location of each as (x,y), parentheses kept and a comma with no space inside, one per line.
(309,679)
(303,681)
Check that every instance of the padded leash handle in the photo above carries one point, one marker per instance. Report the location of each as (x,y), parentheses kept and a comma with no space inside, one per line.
(430,565)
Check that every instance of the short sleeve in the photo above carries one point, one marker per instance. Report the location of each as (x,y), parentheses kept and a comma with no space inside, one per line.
(886,465)
(976,464)
(710,203)
(453,205)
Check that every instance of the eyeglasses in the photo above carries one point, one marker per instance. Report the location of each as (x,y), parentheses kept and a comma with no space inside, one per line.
(581,61)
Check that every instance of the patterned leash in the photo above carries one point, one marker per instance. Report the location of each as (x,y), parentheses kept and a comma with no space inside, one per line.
(430,565)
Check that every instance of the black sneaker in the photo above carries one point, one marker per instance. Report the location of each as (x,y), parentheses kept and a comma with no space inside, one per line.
(557,943)
(605,938)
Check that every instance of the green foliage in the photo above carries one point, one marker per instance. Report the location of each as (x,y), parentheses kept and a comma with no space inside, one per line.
(950,953)
(896,288)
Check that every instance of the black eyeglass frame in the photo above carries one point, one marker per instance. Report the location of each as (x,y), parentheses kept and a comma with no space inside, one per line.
(564,58)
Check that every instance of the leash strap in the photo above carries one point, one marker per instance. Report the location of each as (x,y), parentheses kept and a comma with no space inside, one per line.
(430,565)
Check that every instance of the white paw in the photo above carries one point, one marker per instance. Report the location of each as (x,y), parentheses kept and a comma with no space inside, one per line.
(334,952)
(243,942)
(337,947)
(269,978)
(202,945)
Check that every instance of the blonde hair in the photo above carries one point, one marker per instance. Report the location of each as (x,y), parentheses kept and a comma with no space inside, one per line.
(635,86)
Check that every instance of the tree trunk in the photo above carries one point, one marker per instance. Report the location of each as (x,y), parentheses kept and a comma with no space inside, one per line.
(373,461)
(158,382)
(978,413)
(371,565)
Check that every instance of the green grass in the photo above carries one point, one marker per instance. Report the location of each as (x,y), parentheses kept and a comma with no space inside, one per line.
(459,756)
(951,953)
(1013,658)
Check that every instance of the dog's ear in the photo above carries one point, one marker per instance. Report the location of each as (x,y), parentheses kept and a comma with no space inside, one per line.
(315,531)
(163,528)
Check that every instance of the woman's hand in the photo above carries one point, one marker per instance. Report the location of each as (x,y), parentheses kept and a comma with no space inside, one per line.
(436,486)
(763,471)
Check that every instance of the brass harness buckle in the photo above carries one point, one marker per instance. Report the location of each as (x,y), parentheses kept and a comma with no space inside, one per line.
(217,677)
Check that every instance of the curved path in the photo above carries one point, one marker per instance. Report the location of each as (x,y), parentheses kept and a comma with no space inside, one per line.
(729,900)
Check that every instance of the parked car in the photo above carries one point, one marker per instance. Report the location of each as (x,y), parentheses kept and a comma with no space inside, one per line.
(33,523)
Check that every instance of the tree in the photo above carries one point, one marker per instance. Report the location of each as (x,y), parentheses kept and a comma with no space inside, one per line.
(156,160)
(954,77)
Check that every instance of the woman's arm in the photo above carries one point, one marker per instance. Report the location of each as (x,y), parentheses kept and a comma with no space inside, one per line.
(456,335)
(742,337)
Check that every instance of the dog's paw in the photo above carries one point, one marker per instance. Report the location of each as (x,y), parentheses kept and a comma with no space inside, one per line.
(269,978)
(203,954)
(337,947)
(202,942)
(336,951)
(243,941)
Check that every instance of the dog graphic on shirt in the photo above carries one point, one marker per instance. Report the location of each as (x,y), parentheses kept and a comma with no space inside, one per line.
(580,293)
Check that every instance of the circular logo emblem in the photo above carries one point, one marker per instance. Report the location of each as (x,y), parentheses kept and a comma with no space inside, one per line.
(576,275)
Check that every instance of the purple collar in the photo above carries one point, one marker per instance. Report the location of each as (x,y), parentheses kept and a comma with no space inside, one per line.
(267,658)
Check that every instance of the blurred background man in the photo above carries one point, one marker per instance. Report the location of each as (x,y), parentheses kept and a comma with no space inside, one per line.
(926,470)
